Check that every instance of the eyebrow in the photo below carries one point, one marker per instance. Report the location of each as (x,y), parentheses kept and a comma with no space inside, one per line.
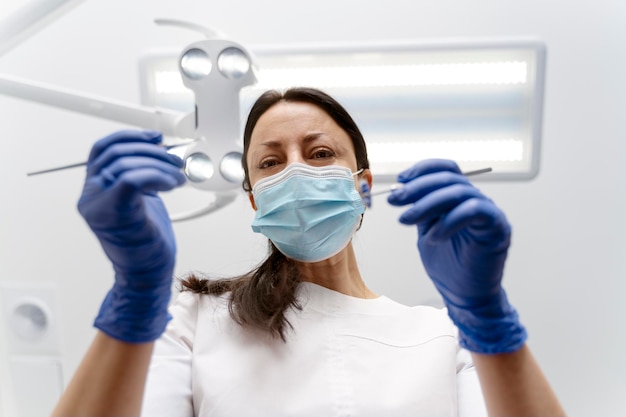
(307,139)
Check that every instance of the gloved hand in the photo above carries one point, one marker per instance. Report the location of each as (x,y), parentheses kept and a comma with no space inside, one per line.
(119,202)
(463,242)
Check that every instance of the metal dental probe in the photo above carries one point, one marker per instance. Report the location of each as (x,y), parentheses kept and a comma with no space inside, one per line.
(82,164)
(396,186)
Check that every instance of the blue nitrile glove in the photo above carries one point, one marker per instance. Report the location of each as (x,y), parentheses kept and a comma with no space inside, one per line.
(120,204)
(463,242)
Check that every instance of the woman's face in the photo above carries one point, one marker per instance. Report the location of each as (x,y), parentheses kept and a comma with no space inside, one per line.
(297,132)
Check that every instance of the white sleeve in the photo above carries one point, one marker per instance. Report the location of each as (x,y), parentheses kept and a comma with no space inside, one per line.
(469,394)
(168,390)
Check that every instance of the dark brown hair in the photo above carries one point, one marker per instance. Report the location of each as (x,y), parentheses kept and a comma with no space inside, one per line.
(261,297)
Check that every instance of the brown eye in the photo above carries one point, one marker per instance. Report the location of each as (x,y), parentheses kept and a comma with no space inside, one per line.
(268,163)
(323,154)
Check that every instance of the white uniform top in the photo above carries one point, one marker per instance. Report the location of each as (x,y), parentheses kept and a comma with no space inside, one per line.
(345,356)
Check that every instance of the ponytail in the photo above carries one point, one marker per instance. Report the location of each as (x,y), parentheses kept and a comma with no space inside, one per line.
(260,298)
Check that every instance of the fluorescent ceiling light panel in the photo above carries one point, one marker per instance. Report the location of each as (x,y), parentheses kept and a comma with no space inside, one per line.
(396,75)
(476,102)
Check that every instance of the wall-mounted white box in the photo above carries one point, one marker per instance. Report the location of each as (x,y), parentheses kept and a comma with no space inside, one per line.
(31,380)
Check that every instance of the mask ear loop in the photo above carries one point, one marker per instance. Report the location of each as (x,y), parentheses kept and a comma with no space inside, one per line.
(365,191)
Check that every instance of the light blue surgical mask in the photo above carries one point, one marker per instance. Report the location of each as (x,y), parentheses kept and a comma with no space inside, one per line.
(309,213)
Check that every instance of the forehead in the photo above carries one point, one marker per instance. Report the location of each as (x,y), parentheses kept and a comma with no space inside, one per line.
(290,119)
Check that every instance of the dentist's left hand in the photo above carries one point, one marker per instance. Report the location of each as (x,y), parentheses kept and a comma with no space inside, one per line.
(463,242)
(119,202)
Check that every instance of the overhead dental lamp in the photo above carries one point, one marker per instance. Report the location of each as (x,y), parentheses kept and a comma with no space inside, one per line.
(215,70)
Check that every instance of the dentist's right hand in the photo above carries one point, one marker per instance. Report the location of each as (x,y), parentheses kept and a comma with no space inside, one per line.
(119,202)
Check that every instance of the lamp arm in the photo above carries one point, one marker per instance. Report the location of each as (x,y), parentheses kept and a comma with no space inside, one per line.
(169,122)
(29,18)
(207,31)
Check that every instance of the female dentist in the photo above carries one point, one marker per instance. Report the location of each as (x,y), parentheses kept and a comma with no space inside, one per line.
(302,334)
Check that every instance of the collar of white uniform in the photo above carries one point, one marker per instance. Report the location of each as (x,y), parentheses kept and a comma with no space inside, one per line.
(316,297)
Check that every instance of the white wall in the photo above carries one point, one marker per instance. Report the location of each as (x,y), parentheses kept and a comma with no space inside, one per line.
(565,272)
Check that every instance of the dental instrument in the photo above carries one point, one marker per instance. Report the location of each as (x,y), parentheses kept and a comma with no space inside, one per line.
(82,164)
(399,185)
